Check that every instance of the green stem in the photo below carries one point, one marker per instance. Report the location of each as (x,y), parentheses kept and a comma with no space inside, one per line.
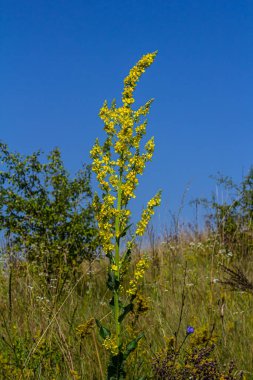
(117,263)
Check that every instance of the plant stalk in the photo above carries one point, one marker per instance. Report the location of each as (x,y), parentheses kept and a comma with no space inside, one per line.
(117,263)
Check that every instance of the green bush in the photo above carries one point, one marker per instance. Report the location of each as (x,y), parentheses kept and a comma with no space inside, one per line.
(45,215)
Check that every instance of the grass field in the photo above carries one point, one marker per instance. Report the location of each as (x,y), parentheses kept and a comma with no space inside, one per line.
(48,330)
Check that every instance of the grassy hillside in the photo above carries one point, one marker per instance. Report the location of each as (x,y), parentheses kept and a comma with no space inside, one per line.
(48,329)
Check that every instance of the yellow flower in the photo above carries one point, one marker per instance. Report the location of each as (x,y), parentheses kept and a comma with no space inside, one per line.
(110,344)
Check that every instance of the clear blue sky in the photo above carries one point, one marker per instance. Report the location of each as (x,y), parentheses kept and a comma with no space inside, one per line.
(61,59)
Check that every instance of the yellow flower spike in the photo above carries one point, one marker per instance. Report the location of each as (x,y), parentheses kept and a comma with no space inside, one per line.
(132,79)
(147,213)
(139,272)
(117,164)
(143,110)
(96,150)
(150,147)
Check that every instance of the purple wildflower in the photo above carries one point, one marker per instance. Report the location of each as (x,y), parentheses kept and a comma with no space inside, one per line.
(189,330)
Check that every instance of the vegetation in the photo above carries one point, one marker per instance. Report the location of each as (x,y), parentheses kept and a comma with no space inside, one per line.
(80,299)
(45,216)
(231,212)
(117,164)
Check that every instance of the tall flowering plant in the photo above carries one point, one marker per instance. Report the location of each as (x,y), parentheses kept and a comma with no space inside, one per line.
(118,163)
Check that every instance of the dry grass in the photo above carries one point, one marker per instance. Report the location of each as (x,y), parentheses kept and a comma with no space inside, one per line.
(39,336)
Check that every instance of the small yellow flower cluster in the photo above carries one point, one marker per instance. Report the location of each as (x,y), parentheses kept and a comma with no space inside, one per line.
(129,186)
(110,344)
(140,131)
(105,213)
(143,110)
(133,288)
(101,165)
(147,213)
(141,266)
(86,328)
(132,79)
(106,115)
(139,272)
(150,147)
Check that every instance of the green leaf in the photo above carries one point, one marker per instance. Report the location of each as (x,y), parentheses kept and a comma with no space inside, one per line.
(112,282)
(127,256)
(132,346)
(127,309)
(103,331)
(123,233)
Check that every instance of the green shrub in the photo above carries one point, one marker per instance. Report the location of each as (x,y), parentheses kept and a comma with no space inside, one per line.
(45,215)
